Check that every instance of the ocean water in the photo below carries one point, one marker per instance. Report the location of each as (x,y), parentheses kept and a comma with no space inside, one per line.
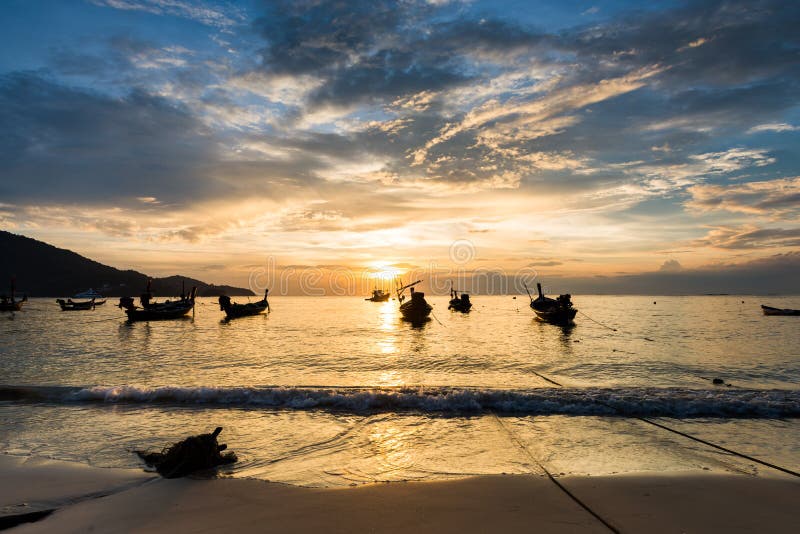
(335,391)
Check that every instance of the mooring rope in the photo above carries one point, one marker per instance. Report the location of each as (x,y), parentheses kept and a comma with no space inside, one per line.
(720,447)
(553,479)
(547,379)
(117,318)
(689,436)
(598,322)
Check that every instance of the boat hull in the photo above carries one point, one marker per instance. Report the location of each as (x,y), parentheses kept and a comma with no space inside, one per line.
(158,311)
(416,316)
(460,306)
(158,315)
(416,311)
(11,306)
(75,306)
(556,316)
(244,310)
(556,311)
(769,310)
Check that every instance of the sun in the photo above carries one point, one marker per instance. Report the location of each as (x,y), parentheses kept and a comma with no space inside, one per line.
(383,270)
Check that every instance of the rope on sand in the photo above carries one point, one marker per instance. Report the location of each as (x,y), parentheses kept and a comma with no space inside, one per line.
(553,479)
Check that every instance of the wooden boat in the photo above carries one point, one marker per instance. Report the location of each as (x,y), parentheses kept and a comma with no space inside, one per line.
(158,311)
(71,305)
(416,309)
(556,311)
(379,295)
(233,310)
(10,303)
(90,293)
(459,303)
(769,310)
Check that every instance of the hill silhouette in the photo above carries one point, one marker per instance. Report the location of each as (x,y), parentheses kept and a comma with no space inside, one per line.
(42,270)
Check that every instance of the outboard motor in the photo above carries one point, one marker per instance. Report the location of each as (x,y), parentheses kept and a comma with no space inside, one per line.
(127,303)
(224,302)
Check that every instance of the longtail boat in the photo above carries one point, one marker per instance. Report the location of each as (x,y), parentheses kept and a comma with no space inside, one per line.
(416,309)
(379,295)
(71,305)
(233,310)
(157,311)
(10,303)
(460,303)
(556,311)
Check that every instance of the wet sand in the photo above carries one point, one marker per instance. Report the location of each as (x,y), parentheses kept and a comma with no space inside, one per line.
(120,500)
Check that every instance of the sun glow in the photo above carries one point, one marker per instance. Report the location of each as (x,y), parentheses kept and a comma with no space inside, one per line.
(382,271)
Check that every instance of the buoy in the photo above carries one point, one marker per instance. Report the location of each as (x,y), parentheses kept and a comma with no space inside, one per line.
(718,381)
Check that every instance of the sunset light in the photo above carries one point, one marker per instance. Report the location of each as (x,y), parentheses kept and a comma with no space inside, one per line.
(210,136)
(400,266)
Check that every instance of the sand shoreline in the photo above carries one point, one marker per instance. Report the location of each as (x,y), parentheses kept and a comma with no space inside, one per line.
(125,500)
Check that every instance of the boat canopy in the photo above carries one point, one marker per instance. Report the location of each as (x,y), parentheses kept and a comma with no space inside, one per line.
(88,294)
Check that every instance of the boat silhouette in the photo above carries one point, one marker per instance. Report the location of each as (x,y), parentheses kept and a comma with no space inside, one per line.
(556,311)
(157,311)
(416,309)
(233,310)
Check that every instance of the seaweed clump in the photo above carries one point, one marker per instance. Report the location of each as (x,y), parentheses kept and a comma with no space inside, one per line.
(195,453)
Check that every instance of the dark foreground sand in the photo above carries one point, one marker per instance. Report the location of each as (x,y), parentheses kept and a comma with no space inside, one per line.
(105,500)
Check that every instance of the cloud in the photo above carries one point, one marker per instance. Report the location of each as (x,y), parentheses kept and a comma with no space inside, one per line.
(774,198)
(545,263)
(671,266)
(362,51)
(776,273)
(62,143)
(194,10)
(734,41)
(666,177)
(514,119)
(750,237)
(773,127)
(67,145)
(694,44)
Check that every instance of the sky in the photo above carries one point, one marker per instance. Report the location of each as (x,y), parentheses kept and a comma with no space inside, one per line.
(567,138)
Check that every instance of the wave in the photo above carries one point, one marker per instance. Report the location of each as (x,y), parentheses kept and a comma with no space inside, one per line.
(656,402)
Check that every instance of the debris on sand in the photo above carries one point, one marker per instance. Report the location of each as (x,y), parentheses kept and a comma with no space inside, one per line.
(195,453)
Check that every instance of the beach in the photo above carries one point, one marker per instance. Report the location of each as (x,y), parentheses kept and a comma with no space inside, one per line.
(87,499)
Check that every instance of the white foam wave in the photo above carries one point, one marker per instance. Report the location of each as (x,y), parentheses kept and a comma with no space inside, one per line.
(666,402)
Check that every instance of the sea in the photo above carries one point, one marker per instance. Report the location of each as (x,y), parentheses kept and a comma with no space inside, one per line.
(340,391)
